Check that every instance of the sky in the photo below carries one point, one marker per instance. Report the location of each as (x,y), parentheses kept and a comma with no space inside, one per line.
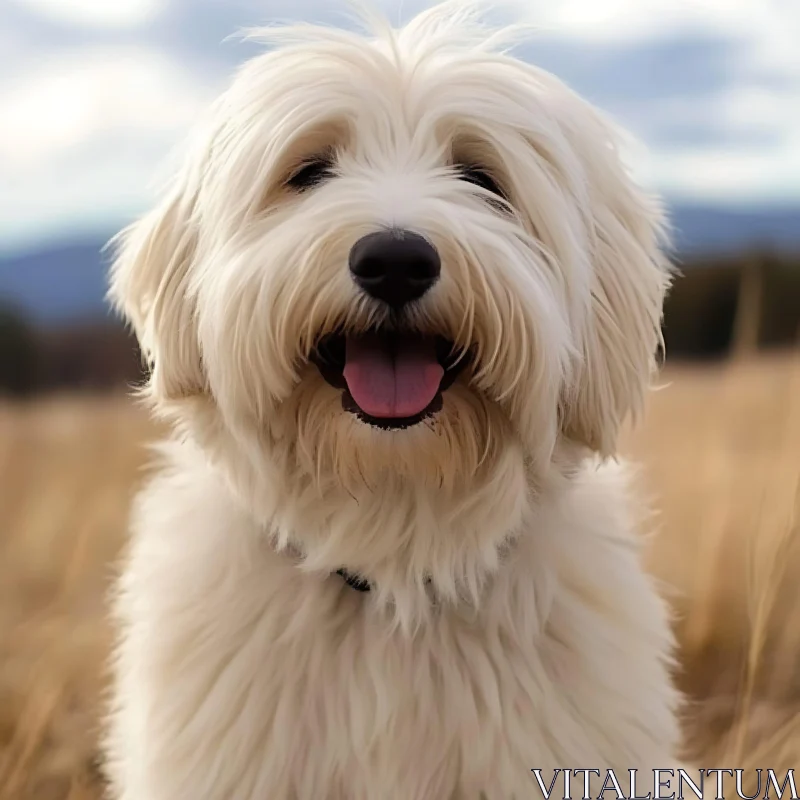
(96,94)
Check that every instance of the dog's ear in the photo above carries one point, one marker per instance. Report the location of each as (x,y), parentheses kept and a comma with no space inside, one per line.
(148,285)
(631,274)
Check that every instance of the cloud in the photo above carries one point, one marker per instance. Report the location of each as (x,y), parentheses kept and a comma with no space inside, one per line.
(724,175)
(83,135)
(70,98)
(710,87)
(91,190)
(621,21)
(97,13)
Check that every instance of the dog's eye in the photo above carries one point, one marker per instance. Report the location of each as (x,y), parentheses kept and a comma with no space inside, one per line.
(480,177)
(310,174)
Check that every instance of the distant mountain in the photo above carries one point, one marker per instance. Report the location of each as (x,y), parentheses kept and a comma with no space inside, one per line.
(67,281)
(59,283)
(723,231)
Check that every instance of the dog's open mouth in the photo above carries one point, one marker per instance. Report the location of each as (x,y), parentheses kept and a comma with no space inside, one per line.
(389,379)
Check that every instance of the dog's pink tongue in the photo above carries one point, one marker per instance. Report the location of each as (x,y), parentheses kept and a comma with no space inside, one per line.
(392,381)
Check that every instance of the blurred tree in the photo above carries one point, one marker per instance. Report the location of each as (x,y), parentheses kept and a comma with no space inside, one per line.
(19,353)
(719,307)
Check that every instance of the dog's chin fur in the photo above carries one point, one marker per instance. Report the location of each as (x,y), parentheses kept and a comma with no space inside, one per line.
(510,625)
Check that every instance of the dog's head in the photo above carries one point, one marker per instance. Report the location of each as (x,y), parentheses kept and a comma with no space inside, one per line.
(404,254)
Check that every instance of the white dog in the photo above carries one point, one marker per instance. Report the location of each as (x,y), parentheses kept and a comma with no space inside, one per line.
(397,304)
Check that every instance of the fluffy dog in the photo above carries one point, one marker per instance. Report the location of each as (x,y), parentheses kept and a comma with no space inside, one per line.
(398,302)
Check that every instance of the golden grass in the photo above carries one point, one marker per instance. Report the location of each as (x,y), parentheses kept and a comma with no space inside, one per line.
(721,454)
(67,471)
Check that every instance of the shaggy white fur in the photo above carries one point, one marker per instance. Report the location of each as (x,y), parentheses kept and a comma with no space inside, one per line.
(510,624)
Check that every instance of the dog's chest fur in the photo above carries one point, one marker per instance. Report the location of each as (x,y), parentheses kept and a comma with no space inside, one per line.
(246,679)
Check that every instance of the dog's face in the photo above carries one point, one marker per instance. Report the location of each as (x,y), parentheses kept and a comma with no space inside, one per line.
(405,255)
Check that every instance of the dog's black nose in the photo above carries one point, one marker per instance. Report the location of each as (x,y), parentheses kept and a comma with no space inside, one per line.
(395,266)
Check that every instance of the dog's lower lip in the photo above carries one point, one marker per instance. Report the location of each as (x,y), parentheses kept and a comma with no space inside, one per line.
(329,358)
(391,423)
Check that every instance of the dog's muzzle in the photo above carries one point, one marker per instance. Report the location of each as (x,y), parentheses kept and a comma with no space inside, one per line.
(391,376)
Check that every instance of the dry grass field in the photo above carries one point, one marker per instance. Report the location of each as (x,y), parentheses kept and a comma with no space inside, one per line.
(721,453)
